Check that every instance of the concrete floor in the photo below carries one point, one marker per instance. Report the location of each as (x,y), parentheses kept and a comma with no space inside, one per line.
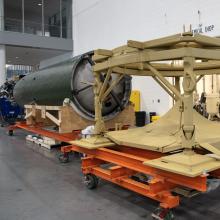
(37,187)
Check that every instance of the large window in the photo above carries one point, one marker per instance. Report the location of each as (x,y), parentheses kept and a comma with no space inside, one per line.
(13,15)
(33,17)
(52,18)
(67,18)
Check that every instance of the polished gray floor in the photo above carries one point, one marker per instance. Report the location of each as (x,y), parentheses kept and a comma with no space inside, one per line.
(36,187)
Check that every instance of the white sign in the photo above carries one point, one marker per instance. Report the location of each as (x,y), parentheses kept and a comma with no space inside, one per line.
(203,29)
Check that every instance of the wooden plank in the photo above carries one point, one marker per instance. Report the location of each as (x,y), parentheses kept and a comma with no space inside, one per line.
(165,88)
(205,53)
(34,111)
(171,73)
(124,49)
(207,41)
(97,58)
(53,119)
(142,56)
(165,81)
(70,120)
(43,112)
(148,56)
(168,41)
(135,44)
(50,108)
(28,106)
(28,114)
(113,84)
(164,41)
(104,52)
(212,64)
(104,85)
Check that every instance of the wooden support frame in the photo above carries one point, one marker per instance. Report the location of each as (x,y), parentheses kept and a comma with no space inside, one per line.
(147,59)
(66,119)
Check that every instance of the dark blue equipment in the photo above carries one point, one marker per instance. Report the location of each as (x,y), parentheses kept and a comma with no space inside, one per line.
(10,111)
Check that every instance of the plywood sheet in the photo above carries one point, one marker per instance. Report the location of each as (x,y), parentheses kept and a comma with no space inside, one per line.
(70,120)
(190,165)
(93,142)
(164,135)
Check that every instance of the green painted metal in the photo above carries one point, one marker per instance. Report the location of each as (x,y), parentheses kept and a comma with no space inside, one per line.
(71,79)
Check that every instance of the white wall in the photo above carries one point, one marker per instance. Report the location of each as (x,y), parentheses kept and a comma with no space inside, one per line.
(110,23)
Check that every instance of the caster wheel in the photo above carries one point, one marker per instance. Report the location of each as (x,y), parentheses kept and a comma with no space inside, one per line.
(10,132)
(163,214)
(91,181)
(63,158)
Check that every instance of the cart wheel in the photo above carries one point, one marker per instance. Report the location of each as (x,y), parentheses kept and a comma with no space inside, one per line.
(91,181)
(163,214)
(10,132)
(64,158)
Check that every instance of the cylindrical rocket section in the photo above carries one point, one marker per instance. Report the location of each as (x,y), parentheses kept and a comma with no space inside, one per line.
(71,79)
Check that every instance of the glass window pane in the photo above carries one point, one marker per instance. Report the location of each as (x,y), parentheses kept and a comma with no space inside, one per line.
(67,18)
(52,18)
(33,17)
(13,15)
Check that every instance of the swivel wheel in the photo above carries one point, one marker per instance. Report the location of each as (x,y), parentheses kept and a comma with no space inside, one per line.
(10,132)
(91,181)
(162,214)
(64,158)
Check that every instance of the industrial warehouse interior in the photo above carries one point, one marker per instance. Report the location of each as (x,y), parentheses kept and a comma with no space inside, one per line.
(109,109)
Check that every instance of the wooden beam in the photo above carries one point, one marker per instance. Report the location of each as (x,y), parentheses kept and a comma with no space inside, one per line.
(97,58)
(135,44)
(104,52)
(113,84)
(164,41)
(168,41)
(165,73)
(106,81)
(208,54)
(28,115)
(165,88)
(53,119)
(142,56)
(43,112)
(165,81)
(198,78)
(55,108)
(207,41)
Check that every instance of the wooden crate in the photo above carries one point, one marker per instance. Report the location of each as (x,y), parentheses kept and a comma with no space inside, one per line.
(67,120)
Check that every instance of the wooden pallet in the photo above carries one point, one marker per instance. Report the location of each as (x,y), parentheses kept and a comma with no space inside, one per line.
(67,120)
